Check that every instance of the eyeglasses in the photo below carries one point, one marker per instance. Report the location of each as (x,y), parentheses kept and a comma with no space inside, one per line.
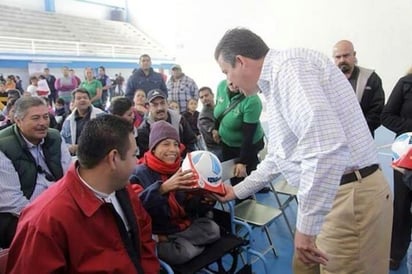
(49,177)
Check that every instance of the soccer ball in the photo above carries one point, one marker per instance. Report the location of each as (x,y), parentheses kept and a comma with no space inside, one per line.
(206,167)
(401,145)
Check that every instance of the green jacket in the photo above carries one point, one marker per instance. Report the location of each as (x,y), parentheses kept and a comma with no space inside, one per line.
(15,148)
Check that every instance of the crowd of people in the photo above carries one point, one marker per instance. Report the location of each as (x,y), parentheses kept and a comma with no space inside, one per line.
(125,193)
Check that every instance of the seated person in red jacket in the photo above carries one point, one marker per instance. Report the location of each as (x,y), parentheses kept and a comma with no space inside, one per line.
(90,221)
(177,216)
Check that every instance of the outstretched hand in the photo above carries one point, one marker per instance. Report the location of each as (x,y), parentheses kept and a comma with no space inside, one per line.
(181,180)
(229,194)
(306,250)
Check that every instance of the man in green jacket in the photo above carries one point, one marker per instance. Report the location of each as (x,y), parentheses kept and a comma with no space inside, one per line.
(32,157)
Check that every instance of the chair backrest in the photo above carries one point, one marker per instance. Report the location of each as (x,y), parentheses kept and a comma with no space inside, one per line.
(3,260)
(228,169)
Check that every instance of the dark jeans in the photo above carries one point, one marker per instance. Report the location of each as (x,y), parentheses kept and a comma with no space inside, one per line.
(52,98)
(402,218)
(8,225)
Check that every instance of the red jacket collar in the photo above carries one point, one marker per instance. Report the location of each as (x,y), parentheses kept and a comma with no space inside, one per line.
(82,195)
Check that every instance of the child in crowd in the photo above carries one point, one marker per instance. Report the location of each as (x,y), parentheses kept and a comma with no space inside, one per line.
(174,105)
(10,82)
(32,88)
(179,220)
(60,113)
(140,106)
(122,107)
(9,118)
(192,115)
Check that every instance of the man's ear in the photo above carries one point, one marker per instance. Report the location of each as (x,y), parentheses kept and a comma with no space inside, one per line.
(240,59)
(111,158)
(17,121)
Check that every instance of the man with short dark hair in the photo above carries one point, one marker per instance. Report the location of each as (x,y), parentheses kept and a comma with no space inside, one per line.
(365,82)
(83,112)
(206,121)
(144,78)
(91,221)
(122,107)
(320,142)
(158,110)
(106,85)
(50,82)
(32,157)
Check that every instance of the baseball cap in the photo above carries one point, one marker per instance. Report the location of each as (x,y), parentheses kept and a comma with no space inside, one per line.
(154,93)
(176,67)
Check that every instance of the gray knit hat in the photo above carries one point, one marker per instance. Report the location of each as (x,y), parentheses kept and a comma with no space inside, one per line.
(160,131)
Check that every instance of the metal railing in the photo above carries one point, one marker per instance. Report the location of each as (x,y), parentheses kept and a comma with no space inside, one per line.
(16,45)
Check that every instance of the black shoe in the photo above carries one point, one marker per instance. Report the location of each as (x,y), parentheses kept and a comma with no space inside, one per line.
(266,189)
(394,264)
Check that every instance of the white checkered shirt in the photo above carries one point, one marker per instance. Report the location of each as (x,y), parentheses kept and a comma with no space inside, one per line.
(317,132)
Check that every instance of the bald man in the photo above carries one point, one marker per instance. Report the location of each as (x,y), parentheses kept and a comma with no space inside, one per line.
(365,82)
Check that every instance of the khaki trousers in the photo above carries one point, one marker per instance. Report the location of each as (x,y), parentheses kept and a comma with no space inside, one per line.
(356,233)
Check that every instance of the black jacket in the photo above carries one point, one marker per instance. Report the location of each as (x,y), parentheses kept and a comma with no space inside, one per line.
(397,113)
(373,99)
(139,80)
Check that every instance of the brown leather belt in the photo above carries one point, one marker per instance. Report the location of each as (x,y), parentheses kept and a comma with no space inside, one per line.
(364,172)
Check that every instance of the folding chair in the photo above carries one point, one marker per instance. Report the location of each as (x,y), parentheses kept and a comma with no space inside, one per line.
(164,266)
(3,260)
(282,187)
(251,211)
(258,215)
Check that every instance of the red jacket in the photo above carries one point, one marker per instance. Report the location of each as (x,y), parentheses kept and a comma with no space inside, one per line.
(66,230)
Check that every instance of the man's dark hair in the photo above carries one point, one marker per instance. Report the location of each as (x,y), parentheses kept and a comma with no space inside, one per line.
(144,55)
(100,136)
(240,41)
(80,90)
(120,105)
(102,68)
(206,88)
(60,101)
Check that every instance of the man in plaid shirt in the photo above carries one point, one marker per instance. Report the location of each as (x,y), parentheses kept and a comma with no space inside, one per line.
(181,88)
